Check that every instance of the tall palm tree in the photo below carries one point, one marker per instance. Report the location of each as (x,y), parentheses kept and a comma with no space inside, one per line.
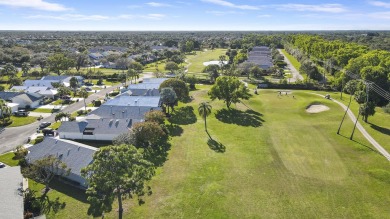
(204,110)
(25,68)
(84,94)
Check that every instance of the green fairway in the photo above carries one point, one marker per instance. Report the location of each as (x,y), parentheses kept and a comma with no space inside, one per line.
(196,61)
(276,161)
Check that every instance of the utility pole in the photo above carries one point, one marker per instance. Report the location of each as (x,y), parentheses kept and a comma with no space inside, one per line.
(350,100)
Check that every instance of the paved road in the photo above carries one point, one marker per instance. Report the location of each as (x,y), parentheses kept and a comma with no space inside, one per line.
(295,73)
(362,130)
(12,137)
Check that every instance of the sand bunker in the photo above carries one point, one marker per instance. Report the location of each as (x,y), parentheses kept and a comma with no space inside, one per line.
(214,63)
(316,108)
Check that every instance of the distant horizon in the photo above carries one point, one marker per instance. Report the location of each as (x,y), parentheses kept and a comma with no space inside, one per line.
(194,15)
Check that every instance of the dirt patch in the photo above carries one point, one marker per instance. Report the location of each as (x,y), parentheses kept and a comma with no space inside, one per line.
(316,108)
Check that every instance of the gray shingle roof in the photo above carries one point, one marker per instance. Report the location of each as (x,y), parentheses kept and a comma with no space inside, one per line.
(39,83)
(120,112)
(11,200)
(55,77)
(68,126)
(74,154)
(99,126)
(142,92)
(151,101)
(9,95)
(144,86)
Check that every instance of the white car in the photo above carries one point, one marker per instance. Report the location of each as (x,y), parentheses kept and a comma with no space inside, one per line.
(2,165)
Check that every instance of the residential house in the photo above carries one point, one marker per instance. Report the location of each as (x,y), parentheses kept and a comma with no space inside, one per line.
(125,100)
(25,100)
(74,154)
(95,56)
(95,128)
(44,91)
(141,92)
(39,83)
(11,198)
(122,112)
(261,56)
(64,79)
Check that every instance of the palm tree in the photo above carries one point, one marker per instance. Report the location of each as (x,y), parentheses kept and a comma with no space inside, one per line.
(25,68)
(204,110)
(84,94)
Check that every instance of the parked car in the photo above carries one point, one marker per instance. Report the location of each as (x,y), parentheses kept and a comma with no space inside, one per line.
(2,165)
(21,113)
(88,84)
(48,131)
(44,125)
(88,89)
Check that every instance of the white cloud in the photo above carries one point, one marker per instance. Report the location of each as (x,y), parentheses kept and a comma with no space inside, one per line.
(231,5)
(35,4)
(264,15)
(380,4)
(71,17)
(154,16)
(159,5)
(329,8)
(220,13)
(380,15)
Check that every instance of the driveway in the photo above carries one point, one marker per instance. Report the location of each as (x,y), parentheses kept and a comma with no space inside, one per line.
(12,137)
(295,73)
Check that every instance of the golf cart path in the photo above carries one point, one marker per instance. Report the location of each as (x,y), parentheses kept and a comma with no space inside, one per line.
(362,130)
(295,73)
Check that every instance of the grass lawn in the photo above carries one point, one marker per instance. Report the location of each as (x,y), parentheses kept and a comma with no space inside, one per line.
(269,159)
(55,125)
(292,59)
(63,201)
(42,110)
(22,120)
(8,159)
(203,56)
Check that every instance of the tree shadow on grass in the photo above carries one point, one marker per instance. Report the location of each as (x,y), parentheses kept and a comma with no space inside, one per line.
(364,145)
(158,154)
(48,205)
(234,116)
(380,129)
(183,116)
(216,146)
(68,188)
(174,130)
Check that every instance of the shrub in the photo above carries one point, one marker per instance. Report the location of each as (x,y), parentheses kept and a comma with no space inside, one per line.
(99,82)
(155,116)
(80,112)
(39,139)
(178,86)
(97,103)
(386,108)
(20,152)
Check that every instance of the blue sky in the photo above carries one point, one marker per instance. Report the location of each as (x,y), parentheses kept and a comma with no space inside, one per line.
(194,15)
